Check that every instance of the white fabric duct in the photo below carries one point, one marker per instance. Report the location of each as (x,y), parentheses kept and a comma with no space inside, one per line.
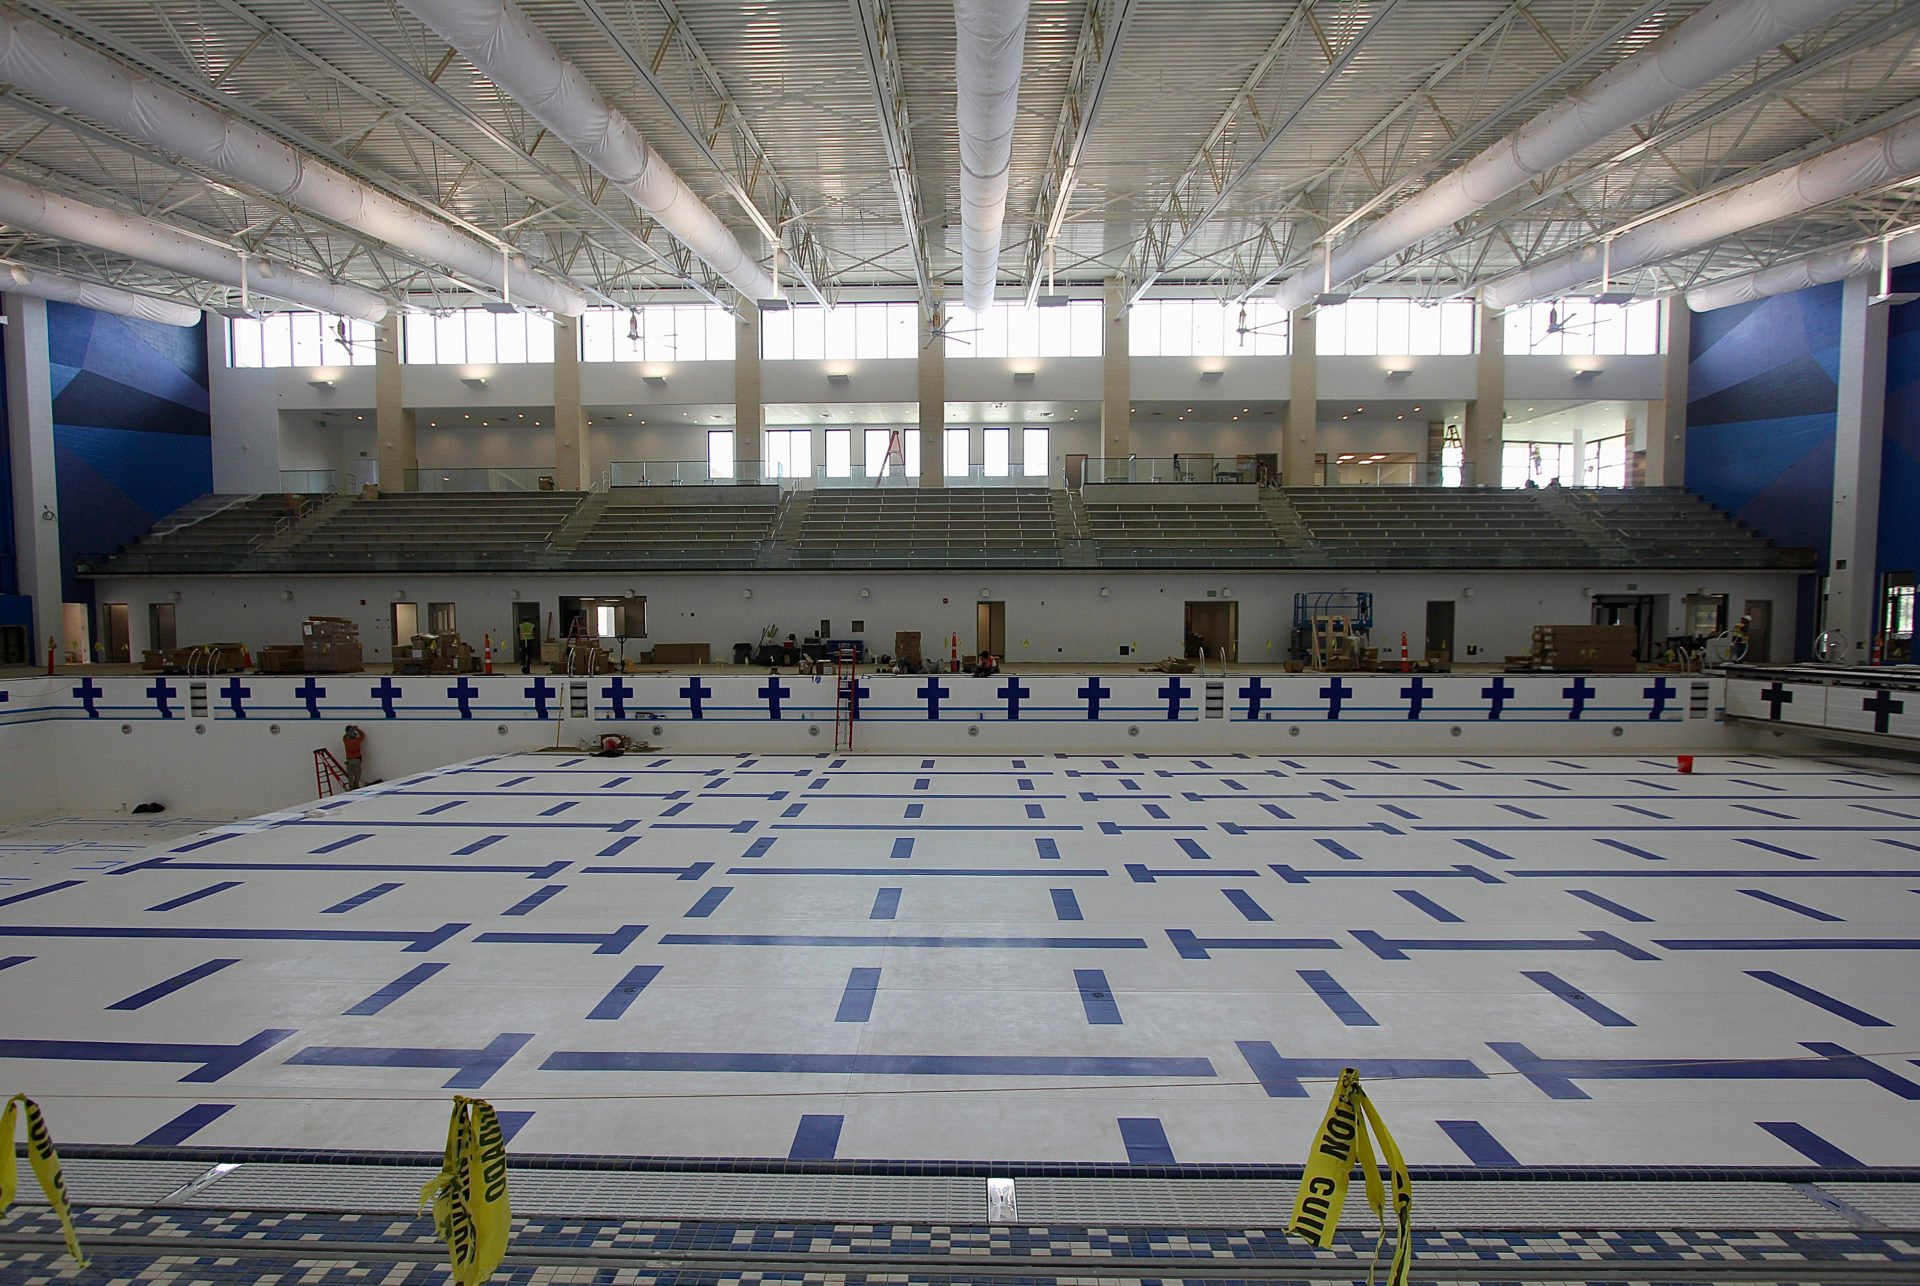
(63,71)
(992,40)
(502,42)
(65,219)
(1878,159)
(1715,41)
(1814,270)
(18,279)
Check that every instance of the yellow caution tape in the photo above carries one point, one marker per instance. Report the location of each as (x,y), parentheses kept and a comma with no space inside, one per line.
(1346,1138)
(46,1168)
(469,1195)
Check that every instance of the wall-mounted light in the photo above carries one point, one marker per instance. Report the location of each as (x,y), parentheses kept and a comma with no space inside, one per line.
(1398,372)
(286,596)
(746,593)
(173,596)
(840,378)
(474,381)
(655,381)
(46,513)
(514,594)
(1023,377)
(1105,592)
(1585,372)
(866,593)
(986,593)
(1209,376)
(321,383)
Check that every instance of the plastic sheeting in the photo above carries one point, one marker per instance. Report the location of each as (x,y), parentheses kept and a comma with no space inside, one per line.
(1814,270)
(992,38)
(1878,159)
(1707,46)
(65,219)
(17,279)
(60,70)
(504,44)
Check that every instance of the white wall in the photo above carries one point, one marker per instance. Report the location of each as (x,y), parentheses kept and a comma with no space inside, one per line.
(1051,616)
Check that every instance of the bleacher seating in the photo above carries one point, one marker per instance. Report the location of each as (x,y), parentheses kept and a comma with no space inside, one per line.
(452,531)
(212,534)
(1147,533)
(688,535)
(1666,526)
(1433,527)
(935,527)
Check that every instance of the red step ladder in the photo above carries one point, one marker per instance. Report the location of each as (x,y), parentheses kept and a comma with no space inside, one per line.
(328,776)
(846,698)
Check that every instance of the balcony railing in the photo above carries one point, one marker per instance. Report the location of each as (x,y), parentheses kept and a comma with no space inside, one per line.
(309,482)
(533,478)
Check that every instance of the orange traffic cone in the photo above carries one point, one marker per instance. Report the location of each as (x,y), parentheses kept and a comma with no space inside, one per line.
(487,652)
(1406,663)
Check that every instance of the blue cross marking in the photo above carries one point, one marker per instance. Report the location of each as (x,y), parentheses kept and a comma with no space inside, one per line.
(1013,692)
(1093,692)
(464,692)
(232,694)
(1661,693)
(695,692)
(1416,694)
(1497,693)
(860,692)
(1173,692)
(1256,692)
(618,692)
(932,692)
(1579,692)
(311,692)
(387,692)
(86,692)
(1335,693)
(540,692)
(163,692)
(774,692)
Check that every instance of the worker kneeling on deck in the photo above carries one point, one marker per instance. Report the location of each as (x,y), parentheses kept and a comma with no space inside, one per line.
(352,740)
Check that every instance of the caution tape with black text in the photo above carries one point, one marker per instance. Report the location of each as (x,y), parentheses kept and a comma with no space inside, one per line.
(469,1195)
(46,1167)
(1342,1142)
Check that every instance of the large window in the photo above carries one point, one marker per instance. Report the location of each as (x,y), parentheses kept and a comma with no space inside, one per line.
(657,333)
(1012,329)
(899,457)
(1605,464)
(995,452)
(808,333)
(839,453)
(1578,327)
(719,453)
(299,339)
(1536,462)
(1207,328)
(476,335)
(1395,328)
(789,453)
(959,454)
(1034,459)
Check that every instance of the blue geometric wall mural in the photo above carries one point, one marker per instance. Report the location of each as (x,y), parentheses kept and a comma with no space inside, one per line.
(131,432)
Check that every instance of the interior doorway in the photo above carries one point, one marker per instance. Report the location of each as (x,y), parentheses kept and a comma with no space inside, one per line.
(1075,471)
(1213,631)
(160,627)
(991,628)
(406,622)
(1440,628)
(75,623)
(118,648)
(1628,609)
(1759,629)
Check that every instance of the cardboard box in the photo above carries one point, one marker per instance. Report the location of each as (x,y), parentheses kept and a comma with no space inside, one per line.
(681,654)
(281,659)
(906,646)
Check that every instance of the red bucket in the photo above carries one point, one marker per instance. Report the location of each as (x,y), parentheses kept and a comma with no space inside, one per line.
(1685,762)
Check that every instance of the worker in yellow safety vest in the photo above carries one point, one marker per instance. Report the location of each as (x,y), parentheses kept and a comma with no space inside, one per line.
(527,630)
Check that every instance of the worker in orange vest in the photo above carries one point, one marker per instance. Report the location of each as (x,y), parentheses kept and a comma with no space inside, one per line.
(352,740)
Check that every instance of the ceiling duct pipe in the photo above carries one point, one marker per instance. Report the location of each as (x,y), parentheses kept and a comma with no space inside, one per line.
(1897,251)
(64,219)
(1713,42)
(62,71)
(992,38)
(502,42)
(1874,161)
(18,279)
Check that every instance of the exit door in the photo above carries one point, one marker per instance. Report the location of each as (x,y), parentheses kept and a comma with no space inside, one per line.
(991,628)
(1759,629)
(1440,628)
(1076,471)
(160,634)
(113,633)
(1213,630)
(1626,609)
(406,622)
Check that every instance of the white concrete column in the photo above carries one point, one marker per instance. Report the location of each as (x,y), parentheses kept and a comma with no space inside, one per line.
(573,468)
(393,421)
(1667,417)
(1303,404)
(1487,412)
(1116,377)
(932,370)
(36,499)
(749,413)
(1851,591)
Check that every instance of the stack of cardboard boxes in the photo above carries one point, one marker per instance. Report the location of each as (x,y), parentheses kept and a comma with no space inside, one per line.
(1592,649)
(328,645)
(434,654)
